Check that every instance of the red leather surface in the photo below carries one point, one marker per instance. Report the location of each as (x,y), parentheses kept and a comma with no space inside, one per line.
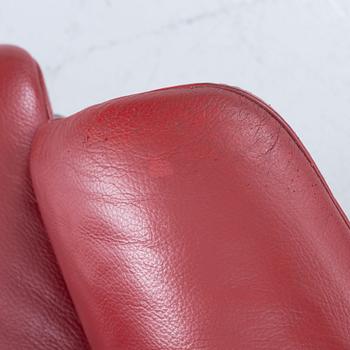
(35,309)
(192,218)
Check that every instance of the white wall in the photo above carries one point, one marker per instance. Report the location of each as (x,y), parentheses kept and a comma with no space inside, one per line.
(295,54)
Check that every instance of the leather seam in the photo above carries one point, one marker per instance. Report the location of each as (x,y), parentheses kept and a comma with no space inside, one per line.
(289,131)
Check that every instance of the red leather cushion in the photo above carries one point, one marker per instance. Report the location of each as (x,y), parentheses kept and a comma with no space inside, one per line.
(193,218)
(35,309)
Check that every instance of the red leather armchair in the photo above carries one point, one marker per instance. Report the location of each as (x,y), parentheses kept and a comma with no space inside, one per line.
(184,218)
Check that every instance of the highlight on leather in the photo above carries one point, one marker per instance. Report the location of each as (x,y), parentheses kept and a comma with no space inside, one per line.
(36,311)
(193,218)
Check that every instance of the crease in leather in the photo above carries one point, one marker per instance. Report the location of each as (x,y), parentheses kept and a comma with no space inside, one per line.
(276,116)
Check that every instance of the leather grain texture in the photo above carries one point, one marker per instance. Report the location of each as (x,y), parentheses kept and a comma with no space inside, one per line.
(36,311)
(193,218)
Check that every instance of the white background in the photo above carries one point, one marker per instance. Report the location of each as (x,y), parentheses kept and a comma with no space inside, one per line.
(295,54)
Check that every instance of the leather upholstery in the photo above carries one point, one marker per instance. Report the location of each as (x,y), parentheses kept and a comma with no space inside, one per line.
(193,218)
(36,311)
